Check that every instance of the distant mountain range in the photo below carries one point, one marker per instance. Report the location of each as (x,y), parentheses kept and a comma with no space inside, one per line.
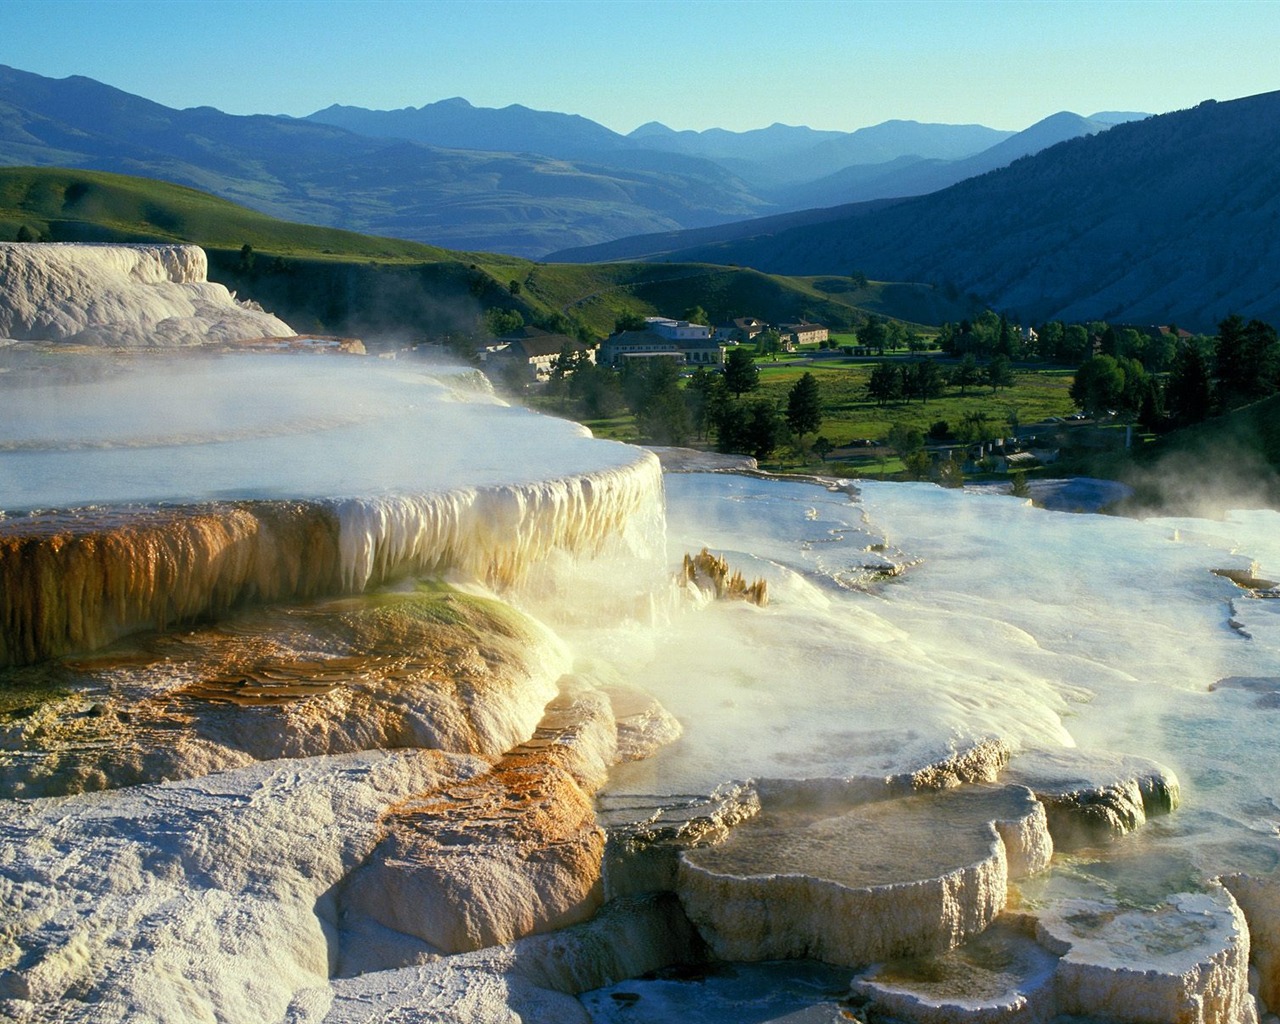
(1174,218)
(514,180)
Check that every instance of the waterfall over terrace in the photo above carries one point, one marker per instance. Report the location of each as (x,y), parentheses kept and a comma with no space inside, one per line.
(335,689)
(158,496)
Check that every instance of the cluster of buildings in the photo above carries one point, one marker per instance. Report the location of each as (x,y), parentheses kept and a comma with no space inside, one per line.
(687,343)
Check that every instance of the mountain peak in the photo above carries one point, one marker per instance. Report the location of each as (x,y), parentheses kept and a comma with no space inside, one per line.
(651,128)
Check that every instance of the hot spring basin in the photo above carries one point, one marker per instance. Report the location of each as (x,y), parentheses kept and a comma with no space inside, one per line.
(857,884)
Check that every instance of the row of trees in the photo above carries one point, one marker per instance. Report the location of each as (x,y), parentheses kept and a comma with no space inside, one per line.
(991,334)
(709,405)
(924,379)
(1242,365)
(881,334)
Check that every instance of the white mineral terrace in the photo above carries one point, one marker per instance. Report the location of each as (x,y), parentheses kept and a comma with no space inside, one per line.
(154,296)
(254,426)
(400,474)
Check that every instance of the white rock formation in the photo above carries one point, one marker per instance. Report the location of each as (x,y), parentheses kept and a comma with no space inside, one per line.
(203,900)
(1001,977)
(894,878)
(439,670)
(515,852)
(1259,898)
(1093,795)
(136,296)
(531,980)
(1186,961)
(237,897)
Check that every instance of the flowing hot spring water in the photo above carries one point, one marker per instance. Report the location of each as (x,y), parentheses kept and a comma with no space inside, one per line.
(926,662)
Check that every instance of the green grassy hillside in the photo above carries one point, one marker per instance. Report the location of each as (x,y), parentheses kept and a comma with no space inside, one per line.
(91,206)
(324,279)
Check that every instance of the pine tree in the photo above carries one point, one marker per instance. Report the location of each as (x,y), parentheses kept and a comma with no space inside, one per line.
(1188,395)
(885,384)
(804,406)
(740,371)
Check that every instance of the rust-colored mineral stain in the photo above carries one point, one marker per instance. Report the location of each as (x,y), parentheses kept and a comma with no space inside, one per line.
(77,579)
(729,585)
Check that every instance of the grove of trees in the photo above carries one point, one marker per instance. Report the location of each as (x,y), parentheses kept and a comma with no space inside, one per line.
(1159,379)
(1241,364)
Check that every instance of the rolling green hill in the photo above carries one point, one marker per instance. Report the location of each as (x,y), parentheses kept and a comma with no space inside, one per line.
(324,279)
(90,206)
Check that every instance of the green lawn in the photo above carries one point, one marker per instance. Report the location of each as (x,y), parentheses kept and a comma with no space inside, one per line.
(1037,393)
(849,415)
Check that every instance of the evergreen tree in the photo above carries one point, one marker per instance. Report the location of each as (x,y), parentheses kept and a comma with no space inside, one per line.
(1231,361)
(1049,340)
(973,427)
(764,429)
(1247,360)
(748,428)
(1004,345)
(1189,393)
(999,373)
(740,371)
(926,380)
(965,374)
(804,406)
(885,384)
(873,334)
(703,392)
(654,393)
(598,389)
(1151,412)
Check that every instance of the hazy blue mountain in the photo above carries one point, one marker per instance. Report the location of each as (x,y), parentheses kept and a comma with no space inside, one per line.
(779,156)
(456,124)
(322,174)
(906,177)
(514,180)
(758,144)
(1172,218)
(763,157)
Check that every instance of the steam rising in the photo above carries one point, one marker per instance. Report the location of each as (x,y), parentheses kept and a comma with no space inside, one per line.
(303,428)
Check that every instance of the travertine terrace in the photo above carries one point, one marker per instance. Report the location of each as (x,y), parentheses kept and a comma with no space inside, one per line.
(334,689)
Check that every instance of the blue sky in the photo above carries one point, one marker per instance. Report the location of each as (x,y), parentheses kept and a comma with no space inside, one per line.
(737,64)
